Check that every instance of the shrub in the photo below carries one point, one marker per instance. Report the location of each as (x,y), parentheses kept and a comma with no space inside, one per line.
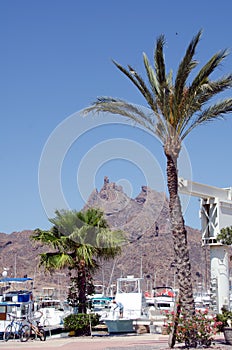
(225,319)
(200,326)
(80,323)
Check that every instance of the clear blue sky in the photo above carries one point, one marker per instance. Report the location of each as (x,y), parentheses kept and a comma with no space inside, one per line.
(56,59)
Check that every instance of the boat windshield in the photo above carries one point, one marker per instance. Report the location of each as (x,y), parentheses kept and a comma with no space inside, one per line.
(127,285)
(51,304)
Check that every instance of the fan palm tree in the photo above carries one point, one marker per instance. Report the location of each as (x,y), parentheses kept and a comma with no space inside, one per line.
(78,240)
(176,107)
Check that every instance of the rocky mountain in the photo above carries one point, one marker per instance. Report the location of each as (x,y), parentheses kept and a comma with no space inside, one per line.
(149,252)
(21,258)
(137,216)
(145,220)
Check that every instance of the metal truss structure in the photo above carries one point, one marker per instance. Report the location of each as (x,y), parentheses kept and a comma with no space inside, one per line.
(215,214)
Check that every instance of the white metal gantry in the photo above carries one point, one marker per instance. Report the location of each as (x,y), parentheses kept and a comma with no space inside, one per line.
(215,213)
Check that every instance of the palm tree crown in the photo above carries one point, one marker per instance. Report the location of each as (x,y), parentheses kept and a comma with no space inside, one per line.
(177,106)
(79,240)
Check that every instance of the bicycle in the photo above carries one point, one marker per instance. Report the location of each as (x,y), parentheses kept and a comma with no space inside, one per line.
(36,330)
(16,328)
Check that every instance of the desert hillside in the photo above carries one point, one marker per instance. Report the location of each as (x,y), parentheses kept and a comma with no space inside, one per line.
(149,253)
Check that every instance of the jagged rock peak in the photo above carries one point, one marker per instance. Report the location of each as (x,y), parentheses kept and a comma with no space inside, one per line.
(141,198)
(106,180)
(110,191)
(110,198)
(144,189)
(110,185)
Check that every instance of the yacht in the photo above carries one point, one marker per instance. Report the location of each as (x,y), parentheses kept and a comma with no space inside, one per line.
(16,299)
(129,294)
(162,298)
(53,310)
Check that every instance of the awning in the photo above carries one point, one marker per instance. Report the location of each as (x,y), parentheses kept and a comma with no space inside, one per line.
(15,280)
(8,304)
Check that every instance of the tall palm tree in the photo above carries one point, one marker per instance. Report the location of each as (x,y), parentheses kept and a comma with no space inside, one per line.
(78,240)
(176,107)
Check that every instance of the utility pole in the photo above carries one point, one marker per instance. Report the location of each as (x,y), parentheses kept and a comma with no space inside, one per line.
(15,265)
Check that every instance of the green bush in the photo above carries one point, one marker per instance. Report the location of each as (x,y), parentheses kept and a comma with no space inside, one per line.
(225,319)
(80,323)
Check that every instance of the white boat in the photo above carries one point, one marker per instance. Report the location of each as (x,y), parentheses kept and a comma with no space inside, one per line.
(53,309)
(202,300)
(99,304)
(162,298)
(129,294)
(16,298)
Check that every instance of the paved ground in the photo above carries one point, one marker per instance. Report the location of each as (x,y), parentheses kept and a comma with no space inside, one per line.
(132,342)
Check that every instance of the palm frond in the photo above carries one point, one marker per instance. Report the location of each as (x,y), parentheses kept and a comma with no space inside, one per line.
(139,83)
(151,76)
(55,260)
(159,61)
(123,108)
(110,239)
(203,76)
(217,111)
(205,93)
(212,88)
(79,235)
(161,131)
(93,217)
(129,74)
(46,237)
(164,87)
(87,253)
(169,78)
(185,68)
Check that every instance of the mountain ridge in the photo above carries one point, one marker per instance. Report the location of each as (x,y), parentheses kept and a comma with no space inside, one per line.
(149,252)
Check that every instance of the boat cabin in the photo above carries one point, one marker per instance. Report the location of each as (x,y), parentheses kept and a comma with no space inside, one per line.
(15,298)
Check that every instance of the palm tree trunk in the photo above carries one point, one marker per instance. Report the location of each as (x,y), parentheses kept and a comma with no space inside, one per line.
(179,234)
(82,289)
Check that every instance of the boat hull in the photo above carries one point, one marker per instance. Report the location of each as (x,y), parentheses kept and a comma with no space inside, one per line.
(119,326)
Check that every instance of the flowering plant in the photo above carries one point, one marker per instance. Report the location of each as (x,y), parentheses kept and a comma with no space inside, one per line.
(225,318)
(201,327)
